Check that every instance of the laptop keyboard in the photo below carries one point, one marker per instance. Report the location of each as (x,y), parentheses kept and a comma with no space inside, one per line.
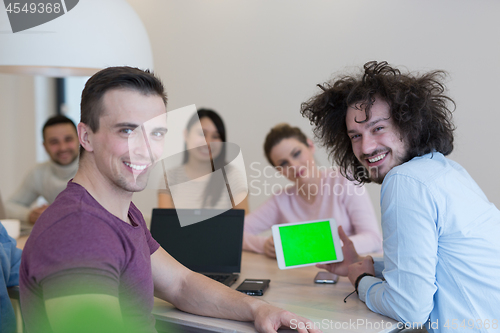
(218,277)
(227,279)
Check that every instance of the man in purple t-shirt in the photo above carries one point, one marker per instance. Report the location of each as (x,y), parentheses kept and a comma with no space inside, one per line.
(90,263)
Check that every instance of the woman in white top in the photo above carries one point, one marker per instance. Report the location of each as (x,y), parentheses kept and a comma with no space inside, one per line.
(202,188)
(317,193)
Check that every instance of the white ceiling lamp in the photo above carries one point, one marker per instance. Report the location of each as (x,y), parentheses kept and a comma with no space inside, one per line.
(89,36)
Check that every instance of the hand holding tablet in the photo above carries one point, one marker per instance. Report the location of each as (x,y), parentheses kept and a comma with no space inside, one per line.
(307,243)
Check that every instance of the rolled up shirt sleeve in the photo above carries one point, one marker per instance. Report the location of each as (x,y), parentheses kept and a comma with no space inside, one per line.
(365,284)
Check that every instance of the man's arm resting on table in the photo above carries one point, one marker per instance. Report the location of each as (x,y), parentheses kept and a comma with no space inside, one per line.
(18,205)
(195,293)
(84,313)
(365,284)
(14,210)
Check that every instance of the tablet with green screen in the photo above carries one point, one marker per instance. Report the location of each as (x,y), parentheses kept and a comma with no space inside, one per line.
(307,243)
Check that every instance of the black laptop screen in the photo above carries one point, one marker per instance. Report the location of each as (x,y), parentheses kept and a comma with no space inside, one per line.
(213,245)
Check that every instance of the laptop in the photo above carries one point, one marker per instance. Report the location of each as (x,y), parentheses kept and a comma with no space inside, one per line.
(211,247)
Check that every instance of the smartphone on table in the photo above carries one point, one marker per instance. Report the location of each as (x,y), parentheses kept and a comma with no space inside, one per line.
(326,277)
(253,287)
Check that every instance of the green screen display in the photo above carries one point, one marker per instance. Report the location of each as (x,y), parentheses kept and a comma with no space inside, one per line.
(307,243)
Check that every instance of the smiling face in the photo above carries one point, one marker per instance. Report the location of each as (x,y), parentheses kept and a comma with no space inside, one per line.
(130,138)
(376,141)
(293,158)
(61,143)
(198,137)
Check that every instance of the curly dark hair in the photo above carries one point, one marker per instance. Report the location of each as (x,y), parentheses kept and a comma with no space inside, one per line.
(417,104)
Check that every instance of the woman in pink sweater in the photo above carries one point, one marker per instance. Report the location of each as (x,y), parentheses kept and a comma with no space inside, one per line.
(317,193)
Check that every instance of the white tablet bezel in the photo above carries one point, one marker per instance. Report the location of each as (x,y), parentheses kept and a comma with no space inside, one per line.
(279,248)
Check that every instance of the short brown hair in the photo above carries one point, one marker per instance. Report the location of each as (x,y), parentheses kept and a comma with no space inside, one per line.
(280,132)
(142,81)
(57,120)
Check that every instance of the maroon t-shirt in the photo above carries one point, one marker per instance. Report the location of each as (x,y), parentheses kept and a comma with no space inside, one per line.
(78,247)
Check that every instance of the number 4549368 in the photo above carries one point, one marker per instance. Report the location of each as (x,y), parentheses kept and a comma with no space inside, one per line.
(471,324)
(33,8)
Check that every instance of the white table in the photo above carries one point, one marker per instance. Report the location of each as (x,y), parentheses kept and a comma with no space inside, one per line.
(293,290)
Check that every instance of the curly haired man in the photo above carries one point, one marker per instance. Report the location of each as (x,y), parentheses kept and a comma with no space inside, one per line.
(440,265)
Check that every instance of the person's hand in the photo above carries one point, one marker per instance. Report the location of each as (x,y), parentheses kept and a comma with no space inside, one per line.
(268,319)
(364,266)
(350,257)
(269,248)
(36,212)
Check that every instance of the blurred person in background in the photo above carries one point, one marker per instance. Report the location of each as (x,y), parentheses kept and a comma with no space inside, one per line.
(47,179)
(317,193)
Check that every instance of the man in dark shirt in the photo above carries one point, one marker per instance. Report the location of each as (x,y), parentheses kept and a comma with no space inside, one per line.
(90,263)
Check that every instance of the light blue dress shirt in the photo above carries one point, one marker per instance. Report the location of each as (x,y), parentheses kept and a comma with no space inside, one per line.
(441,260)
(10,259)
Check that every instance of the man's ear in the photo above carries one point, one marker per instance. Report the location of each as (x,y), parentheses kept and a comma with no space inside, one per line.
(85,135)
(311,146)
